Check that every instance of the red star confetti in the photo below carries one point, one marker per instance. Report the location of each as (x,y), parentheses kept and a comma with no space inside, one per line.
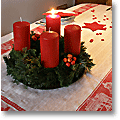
(100,33)
(97,33)
(93,10)
(102,39)
(107,18)
(93,15)
(94,26)
(104,15)
(104,19)
(110,26)
(91,40)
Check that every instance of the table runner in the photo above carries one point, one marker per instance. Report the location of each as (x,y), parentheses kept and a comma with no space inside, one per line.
(67,99)
(101,97)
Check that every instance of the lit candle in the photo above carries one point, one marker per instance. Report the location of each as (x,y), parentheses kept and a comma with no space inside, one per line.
(49,47)
(72,39)
(53,21)
(21,30)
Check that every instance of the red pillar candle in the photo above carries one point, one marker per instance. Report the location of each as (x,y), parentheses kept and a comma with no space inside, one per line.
(72,39)
(21,32)
(49,46)
(53,22)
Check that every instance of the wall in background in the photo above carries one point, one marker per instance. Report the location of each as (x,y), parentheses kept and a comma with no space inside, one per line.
(30,10)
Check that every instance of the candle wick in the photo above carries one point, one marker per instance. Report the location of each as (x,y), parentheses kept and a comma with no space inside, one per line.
(49,29)
(20,19)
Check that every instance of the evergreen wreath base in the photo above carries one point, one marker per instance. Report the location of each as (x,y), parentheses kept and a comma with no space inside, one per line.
(25,67)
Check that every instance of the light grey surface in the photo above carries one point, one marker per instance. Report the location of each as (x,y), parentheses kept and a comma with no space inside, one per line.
(30,10)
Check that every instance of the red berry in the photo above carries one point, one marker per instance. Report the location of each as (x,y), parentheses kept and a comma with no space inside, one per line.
(68,64)
(74,58)
(69,59)
(65,59)
(69,56)
(73,62)
(34,38)
(37,35)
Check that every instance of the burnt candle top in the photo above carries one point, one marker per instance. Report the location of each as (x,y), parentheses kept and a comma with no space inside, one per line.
(21,24)
(73,27)
(49,35)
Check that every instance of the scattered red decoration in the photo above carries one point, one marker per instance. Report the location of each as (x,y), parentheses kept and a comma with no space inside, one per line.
(110,26)
(93,15)
(104,19)
(91,40)
(97,33)
(94,26)
(100,33)
(93,10)
(104,15)
(107,18)
(99,21)
(102,39)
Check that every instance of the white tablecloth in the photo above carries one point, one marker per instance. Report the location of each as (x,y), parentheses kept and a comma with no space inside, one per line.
(67,98)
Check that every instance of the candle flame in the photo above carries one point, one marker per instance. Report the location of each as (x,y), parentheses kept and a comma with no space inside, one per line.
(53,12)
